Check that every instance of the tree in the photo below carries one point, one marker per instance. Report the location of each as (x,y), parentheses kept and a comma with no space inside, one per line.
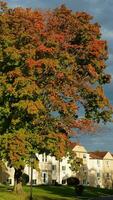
(75,163)
(3,172)
(51,63)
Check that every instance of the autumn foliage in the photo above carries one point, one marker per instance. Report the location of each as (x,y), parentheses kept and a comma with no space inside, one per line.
(51,64)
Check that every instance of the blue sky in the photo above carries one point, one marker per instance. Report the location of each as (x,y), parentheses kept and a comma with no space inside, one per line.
(103,14)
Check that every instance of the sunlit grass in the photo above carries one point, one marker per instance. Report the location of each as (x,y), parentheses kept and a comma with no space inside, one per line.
(52,193)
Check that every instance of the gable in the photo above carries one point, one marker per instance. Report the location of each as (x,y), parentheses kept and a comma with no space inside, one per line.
(79,148)
(108,156)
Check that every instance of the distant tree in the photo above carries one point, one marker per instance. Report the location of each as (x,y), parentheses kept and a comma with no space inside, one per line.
(3,172)
(50,63)
(75,162)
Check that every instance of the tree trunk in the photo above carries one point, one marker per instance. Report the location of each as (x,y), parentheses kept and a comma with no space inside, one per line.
(18,181)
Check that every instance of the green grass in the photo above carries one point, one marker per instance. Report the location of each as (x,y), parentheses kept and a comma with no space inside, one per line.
(90,192)
(40,193)
(53,193)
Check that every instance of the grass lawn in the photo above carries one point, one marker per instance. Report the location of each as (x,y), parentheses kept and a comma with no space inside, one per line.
(53,193)
(95,192)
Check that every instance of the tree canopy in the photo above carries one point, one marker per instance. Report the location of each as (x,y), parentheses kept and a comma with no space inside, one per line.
(51,64)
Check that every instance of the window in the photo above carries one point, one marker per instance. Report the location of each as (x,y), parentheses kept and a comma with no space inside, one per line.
(45,158)
(42,157)
(84,155)
(44,177)
(98,175)
(34,181)
(98,162)
(64,181)
(107,162)
(85,173)
(63,168)
(54,182)
(9,181)
(87,183)
(85,170)
(84,181)
(98,186)
(53,167)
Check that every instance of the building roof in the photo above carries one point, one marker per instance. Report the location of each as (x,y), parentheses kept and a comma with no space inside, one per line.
(72,144)
(97,154)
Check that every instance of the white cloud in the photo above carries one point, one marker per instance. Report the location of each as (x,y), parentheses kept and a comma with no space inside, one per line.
(108,34)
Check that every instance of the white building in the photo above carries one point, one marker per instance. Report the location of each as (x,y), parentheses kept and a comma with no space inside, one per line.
(100,169)
(50,171)
(96,171)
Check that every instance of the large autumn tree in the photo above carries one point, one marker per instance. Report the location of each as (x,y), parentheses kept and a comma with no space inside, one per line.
(51,64)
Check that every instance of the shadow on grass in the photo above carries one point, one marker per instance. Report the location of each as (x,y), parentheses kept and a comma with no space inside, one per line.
(63,191)
(43,198)
(91,192)
(52,192)
(69,192)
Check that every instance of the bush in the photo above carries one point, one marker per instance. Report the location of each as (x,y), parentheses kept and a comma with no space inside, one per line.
(25,179)
(73,181)
(79,189)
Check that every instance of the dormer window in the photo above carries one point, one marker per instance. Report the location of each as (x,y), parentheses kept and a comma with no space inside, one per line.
(84,155)
(44,157)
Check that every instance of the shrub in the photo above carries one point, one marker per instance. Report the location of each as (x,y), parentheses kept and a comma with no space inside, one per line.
(73,181)
(25,179)
(79,189)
